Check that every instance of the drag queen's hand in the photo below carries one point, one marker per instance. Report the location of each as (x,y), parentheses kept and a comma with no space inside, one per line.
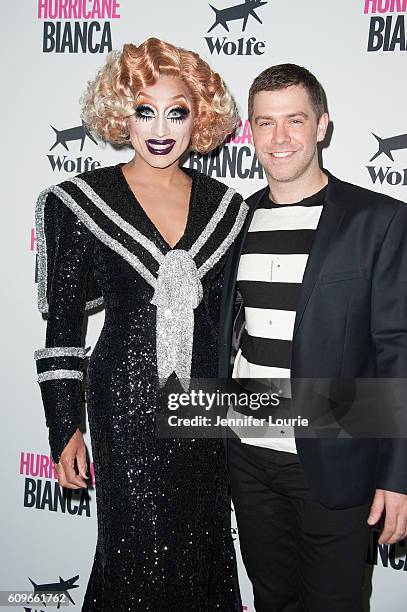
(65,468)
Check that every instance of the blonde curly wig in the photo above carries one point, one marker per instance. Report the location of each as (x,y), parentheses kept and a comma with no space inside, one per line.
(110,98)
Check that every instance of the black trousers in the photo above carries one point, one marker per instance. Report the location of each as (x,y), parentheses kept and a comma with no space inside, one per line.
(299,555)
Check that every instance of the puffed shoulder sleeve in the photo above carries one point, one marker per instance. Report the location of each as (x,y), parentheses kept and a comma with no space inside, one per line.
(66,288)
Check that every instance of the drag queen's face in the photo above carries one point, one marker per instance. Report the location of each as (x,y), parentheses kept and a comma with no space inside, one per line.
(161,127)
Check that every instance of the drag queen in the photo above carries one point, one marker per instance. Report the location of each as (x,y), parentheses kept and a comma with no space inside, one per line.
(148,239)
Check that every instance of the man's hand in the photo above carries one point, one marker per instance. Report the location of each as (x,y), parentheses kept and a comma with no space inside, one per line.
(395,507)
(65,468)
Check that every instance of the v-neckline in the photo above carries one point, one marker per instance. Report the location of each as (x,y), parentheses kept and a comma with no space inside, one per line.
(149,221)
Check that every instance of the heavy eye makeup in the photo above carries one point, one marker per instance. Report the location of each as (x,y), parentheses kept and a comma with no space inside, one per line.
(178,113)
(145,112)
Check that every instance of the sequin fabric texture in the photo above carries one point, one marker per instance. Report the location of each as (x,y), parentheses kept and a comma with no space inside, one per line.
(163,507)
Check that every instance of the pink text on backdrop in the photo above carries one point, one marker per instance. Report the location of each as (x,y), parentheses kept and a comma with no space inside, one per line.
(42,466)
(78,9)
(385,6)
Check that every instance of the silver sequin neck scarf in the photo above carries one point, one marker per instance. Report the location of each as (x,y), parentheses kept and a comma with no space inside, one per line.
(177,288)
(178,291)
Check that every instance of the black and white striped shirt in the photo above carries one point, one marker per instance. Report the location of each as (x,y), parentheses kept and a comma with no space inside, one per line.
(270,274)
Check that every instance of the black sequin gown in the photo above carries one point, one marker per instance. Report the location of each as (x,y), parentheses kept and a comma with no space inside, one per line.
(164,540)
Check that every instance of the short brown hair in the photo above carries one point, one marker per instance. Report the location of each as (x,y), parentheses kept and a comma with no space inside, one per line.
(110,97)
(285,75)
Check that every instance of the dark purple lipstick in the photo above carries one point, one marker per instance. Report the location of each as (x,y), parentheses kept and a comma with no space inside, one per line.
(163,150)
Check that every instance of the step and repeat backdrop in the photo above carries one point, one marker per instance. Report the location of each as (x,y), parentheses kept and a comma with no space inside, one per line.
(50,48)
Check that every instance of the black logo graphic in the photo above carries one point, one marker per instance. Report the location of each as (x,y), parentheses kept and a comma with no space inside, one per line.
(388,174)
(75,164)
(240,11)
(76,133)
(57,587)
(388,145)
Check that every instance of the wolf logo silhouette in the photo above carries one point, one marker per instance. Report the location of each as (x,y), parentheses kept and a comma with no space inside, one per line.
(240,11)
(79,132)
(388,145)
(62,586)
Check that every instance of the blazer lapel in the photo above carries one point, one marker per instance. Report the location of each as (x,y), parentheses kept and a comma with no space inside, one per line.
(237,251)
(328,225)
(229,288)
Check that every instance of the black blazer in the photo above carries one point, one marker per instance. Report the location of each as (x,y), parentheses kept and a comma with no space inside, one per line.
(351,322)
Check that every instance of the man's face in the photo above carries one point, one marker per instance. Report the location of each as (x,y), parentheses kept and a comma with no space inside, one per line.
(161,127)
(286,132)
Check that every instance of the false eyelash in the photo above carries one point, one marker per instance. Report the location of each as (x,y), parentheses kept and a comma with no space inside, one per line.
(184,112)
(143,108)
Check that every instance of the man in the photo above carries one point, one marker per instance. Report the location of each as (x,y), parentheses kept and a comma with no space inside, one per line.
(321,270)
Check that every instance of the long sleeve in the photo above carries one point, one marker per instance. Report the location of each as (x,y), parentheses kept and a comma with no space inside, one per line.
(66,252)
(389,332)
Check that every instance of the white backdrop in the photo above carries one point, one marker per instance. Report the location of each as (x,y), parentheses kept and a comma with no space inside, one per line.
(357,50)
